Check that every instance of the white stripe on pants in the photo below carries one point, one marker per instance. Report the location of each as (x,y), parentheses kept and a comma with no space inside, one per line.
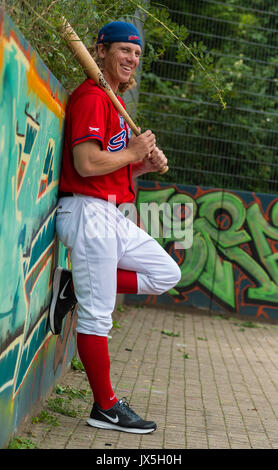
(101,239)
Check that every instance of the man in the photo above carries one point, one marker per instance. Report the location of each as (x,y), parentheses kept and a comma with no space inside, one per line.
(109,253)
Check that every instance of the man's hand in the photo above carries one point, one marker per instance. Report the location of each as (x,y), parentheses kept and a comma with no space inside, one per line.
(155,161)
(142,145)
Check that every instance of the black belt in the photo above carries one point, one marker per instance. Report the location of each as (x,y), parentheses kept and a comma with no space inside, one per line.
(62,194)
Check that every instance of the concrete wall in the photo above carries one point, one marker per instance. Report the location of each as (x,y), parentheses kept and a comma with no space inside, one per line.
(32,110)
(232,265)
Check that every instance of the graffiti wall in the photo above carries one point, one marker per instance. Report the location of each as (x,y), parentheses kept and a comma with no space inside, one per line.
(32,108)
(232,265)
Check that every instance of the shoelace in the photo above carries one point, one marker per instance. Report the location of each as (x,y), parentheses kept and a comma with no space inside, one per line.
(124,404)
(72,308)
(124,401)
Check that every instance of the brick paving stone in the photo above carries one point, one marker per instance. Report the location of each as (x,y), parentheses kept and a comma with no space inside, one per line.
(212,387)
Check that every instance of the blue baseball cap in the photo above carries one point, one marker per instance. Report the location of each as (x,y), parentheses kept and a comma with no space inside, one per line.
(119,31)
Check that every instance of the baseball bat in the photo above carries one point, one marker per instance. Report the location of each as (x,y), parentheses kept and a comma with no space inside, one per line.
(89,65)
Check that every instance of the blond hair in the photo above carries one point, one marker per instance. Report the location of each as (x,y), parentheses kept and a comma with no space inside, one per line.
(122,86)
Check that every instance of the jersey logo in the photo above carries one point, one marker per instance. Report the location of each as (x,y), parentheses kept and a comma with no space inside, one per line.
(93,129)
(122,122)
(128,131)
(117,142)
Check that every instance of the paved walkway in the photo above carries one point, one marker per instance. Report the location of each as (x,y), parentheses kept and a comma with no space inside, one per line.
(208,382)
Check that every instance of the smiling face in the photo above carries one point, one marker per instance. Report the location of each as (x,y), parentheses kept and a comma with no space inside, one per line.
(119,62)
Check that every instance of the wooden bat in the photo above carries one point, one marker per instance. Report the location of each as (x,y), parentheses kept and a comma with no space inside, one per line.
(89,65)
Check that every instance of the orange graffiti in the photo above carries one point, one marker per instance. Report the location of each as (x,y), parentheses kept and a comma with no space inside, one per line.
(1,40)
(261,312)
(1,52)
(43,92)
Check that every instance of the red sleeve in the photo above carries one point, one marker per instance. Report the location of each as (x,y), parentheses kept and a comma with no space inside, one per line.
(88,118)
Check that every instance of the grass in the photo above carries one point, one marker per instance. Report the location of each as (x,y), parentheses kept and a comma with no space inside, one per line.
(238,322)
(116,324)
(76,364)
(72,392)
(169,333)
(21,443)
(248,324)
(120,308)
(63,404)
(45,417)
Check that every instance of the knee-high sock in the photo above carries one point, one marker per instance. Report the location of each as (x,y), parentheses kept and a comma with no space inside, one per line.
(94,354)
(126,282)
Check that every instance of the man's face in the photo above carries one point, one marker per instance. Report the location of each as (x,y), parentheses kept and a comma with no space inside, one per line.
(120,61)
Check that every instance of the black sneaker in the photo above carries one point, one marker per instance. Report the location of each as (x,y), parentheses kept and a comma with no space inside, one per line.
(121,418)
(63,299)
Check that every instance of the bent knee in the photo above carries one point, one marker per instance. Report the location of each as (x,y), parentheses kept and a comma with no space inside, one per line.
(169,280)
(175,275)
(162,280)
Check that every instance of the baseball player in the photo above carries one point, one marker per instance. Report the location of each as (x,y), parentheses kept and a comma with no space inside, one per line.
(110,254)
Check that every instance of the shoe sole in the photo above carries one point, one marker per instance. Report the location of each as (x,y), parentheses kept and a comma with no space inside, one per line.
(103,425)
(55,287)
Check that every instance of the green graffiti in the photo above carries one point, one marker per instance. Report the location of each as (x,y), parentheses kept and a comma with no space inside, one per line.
(30,138)
(232,207)
(217,276)
(274,214)
(267,290)
(194,262)
(260,230)
(233,257)
(179,223)
(145,198)
(168,218)
(30,142)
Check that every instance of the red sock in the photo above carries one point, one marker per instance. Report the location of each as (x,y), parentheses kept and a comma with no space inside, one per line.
(126,282)
(94,354)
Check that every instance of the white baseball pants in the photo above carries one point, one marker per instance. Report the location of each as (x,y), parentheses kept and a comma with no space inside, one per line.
(101,240)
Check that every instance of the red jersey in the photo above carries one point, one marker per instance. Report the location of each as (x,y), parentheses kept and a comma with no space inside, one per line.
(91,114)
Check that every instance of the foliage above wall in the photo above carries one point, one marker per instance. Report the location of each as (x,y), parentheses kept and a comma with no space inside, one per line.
(40,20)
(231,148)
(194,52)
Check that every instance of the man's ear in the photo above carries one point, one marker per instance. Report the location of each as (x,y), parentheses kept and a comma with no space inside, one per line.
(101,50)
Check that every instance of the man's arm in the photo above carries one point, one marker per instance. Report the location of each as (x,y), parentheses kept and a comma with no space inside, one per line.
(91,160)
